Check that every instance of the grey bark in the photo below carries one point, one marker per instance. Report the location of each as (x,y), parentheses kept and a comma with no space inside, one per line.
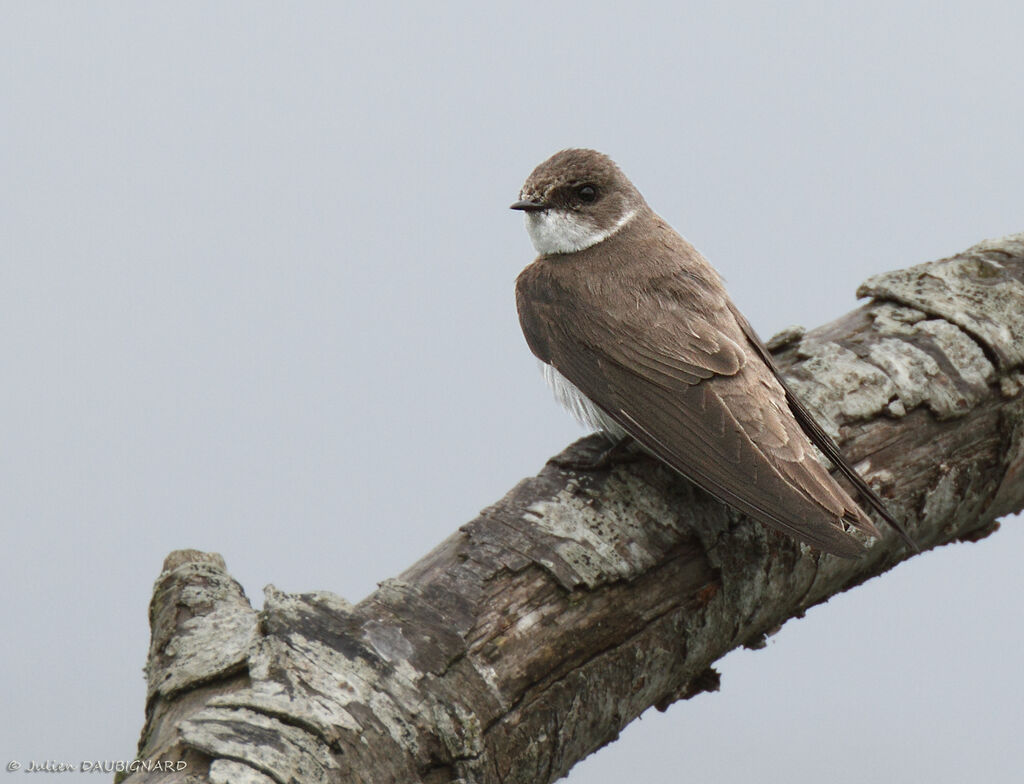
(536,632)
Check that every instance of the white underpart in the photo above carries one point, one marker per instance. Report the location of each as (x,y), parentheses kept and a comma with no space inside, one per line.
(563,231)
(578,404)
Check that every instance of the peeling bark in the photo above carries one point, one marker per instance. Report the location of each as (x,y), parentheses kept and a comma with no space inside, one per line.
(536,632)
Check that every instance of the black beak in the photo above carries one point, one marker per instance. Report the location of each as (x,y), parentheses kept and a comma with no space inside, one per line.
(528,206)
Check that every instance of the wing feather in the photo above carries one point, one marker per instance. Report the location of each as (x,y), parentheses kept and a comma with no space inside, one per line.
(692,429)
(692,407)
(671,361)
(816,433)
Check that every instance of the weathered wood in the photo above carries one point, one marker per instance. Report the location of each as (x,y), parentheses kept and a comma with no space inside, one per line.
(537,631)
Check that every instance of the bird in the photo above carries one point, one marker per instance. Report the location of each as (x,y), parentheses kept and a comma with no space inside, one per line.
(639,339)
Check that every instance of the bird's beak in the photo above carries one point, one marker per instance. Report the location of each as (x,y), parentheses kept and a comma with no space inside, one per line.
(528,206)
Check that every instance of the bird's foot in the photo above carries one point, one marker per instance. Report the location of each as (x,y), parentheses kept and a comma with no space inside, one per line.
(619,453)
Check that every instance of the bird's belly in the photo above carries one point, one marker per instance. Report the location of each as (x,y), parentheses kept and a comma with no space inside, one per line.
(579,405)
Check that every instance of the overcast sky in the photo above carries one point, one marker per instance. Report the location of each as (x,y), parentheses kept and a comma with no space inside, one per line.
(256,298)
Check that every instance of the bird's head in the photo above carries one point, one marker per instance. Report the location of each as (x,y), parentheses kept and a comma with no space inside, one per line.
(575,199)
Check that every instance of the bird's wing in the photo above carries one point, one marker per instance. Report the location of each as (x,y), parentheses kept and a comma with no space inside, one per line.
(689,389)
(817,434)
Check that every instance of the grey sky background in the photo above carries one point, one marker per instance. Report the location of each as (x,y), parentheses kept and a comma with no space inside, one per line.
(256,298)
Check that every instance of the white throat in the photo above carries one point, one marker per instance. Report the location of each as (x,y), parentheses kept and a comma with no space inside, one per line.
(562,231)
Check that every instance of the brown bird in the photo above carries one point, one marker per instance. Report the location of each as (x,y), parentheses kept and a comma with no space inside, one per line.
(639,338)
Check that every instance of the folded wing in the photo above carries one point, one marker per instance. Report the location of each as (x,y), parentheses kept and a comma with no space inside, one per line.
(693,391)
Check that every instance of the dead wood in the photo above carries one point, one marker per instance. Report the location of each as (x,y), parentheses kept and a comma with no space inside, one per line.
(536,632)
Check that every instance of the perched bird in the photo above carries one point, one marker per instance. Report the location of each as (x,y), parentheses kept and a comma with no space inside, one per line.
(639,339)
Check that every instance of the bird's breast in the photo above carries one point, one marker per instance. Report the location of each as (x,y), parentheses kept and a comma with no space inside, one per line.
(578,404)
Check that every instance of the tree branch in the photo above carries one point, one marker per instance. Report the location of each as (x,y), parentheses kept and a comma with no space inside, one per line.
(536,632)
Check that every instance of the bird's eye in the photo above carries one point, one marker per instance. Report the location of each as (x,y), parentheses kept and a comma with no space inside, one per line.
(586,193)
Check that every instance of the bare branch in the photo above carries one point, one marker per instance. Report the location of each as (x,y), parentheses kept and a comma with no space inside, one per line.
(537,631)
